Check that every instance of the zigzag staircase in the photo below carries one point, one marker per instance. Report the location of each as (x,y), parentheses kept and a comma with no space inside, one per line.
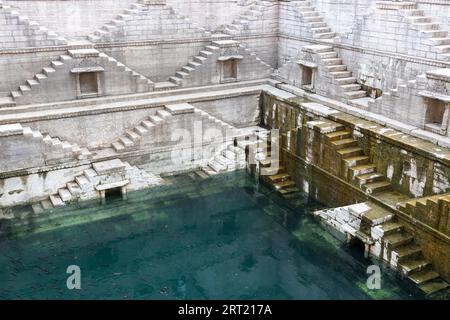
(83,186)
(44,36)
(153,123)
(24,93)
(314,21)
(104,33)
(435,35)
(205,56)
(356,166)
(254,12)
(349,89)
(398,248)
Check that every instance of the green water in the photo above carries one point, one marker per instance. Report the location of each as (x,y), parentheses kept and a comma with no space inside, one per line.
(217,238)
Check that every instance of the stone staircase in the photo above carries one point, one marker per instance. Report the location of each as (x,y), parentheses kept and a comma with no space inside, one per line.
(356,166)
(53,148)
(151,125)
(227,158)
(39,36)
(319,28)
(105,32)
(194,65)
(143,84)
(207,58)
(58,146)
(254,12)
(271,170)
(70,193)
(347,84)
(394,244)
(24,93)
(438,37)
(432,210)
(85,186)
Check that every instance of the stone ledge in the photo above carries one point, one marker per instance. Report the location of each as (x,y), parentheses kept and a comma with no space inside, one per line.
(11,130)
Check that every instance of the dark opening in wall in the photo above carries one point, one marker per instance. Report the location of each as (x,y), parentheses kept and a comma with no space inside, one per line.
(357,245)
(434,116)
(113,194)
(88,83)
(307,73)
(230,70)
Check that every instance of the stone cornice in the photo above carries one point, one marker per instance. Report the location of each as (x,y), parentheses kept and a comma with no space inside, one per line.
(143,43)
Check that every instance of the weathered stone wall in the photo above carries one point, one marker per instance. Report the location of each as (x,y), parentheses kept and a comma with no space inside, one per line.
(73,19)
(309,157)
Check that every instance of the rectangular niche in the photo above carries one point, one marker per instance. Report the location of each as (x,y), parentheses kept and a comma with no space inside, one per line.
(229,68)
(307,74)
(88,82)
(437,116)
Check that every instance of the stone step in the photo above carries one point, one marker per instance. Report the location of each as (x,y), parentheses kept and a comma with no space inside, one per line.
(418,19)
(325,35)
(133,136)
(440,41)
(423,276)
(217,167)
(82,181)
(332,61)
(443,49)
(406,252)
(156,119)
(128,143)
(414,265)
(375,187)
(395,240)
(279,177)
(344,143)
(391,227)
(369,178)
(163,114)
(435,33)
(312,19)
(327,55)
(119,147)
(355,94)
(351,87)
(268,163)
(271,171)
(432,287)
(338,135)
(148,124)
(336,68)
(350,152)
(37,208)
(140,130)
(426,25)
(46,204)
(321,30)
(341,74)
(56,201)
(284,184)
(356,161)
(345,81)
(73,188)
(362,169)
(176,80)
(65,194)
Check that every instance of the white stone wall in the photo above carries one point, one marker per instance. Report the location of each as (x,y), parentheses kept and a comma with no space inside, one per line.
(73,19)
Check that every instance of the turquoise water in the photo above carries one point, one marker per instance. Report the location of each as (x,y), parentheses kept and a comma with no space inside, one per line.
(217,238)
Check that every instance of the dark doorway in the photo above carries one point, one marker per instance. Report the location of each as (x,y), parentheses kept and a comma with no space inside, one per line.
(113,194)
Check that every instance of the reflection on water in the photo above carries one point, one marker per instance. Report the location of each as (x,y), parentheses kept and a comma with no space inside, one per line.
(195,239)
